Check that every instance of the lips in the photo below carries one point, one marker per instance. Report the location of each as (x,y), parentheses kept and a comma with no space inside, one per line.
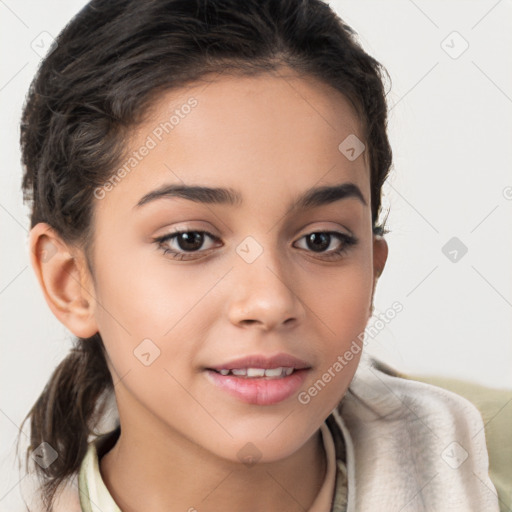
(259,379)
(259,391)
(263,362)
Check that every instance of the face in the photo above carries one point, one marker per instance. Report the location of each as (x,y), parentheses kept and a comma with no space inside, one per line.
(258,276)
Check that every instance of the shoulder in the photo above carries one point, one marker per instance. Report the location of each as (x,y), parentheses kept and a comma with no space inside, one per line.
(494,407)
(397,426)
(67,496)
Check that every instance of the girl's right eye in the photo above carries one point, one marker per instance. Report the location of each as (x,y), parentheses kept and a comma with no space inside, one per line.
(187,241)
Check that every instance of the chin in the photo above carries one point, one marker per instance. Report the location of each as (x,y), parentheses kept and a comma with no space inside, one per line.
(257,446)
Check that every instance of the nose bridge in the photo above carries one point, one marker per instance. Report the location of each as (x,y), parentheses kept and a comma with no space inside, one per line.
(261,257)
(264,292)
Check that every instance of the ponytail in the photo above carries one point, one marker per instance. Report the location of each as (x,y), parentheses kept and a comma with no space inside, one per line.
(65,414)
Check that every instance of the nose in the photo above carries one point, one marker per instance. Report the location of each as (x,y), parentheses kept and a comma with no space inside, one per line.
(263,294)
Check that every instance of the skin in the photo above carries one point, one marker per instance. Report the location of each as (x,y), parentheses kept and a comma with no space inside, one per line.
(270,137)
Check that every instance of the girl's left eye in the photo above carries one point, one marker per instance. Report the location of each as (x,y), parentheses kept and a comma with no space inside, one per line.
(191,241)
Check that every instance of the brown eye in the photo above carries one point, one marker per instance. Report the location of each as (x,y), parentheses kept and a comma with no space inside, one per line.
(319,241)
(183,242)
(190,240)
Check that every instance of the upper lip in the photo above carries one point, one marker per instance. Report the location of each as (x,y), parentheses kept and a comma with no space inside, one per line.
(265,362)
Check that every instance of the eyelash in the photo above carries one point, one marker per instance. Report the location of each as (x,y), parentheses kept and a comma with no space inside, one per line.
(348,241)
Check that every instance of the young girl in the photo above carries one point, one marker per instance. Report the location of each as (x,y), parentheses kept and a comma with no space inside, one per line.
(206,182)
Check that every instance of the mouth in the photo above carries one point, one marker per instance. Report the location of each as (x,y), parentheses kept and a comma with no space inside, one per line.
(257,373)
(260,365)
(260,380)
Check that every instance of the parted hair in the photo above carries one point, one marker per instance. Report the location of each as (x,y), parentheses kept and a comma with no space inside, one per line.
(99,80)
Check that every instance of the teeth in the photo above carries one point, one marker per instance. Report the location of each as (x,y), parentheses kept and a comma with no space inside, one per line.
(258,372)
(255,372)
(274,372)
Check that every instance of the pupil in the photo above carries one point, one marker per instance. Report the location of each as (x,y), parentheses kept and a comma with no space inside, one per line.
(192,237)
(319,237)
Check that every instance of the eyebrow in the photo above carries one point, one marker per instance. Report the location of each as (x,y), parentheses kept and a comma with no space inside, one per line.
(311,198)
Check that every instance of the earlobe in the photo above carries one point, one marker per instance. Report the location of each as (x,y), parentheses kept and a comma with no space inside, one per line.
(64,280)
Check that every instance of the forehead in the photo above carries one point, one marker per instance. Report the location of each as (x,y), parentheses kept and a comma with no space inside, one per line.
(260,135)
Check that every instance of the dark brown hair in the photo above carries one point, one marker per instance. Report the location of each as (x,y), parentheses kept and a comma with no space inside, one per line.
(107,67)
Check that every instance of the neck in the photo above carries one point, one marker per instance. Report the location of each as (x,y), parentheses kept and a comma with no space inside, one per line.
(174,474)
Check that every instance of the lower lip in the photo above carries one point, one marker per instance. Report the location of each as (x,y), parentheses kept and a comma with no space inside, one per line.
(259,390)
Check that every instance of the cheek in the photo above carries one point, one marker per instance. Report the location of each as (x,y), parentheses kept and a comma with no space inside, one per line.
(137,302)
(341,305)
(342,299)
(135,294)
(343,313)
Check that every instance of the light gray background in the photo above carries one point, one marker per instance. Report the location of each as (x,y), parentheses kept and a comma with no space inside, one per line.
(451,133)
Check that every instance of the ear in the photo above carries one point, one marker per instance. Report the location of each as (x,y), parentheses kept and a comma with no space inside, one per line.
(64,279)
(380,255)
